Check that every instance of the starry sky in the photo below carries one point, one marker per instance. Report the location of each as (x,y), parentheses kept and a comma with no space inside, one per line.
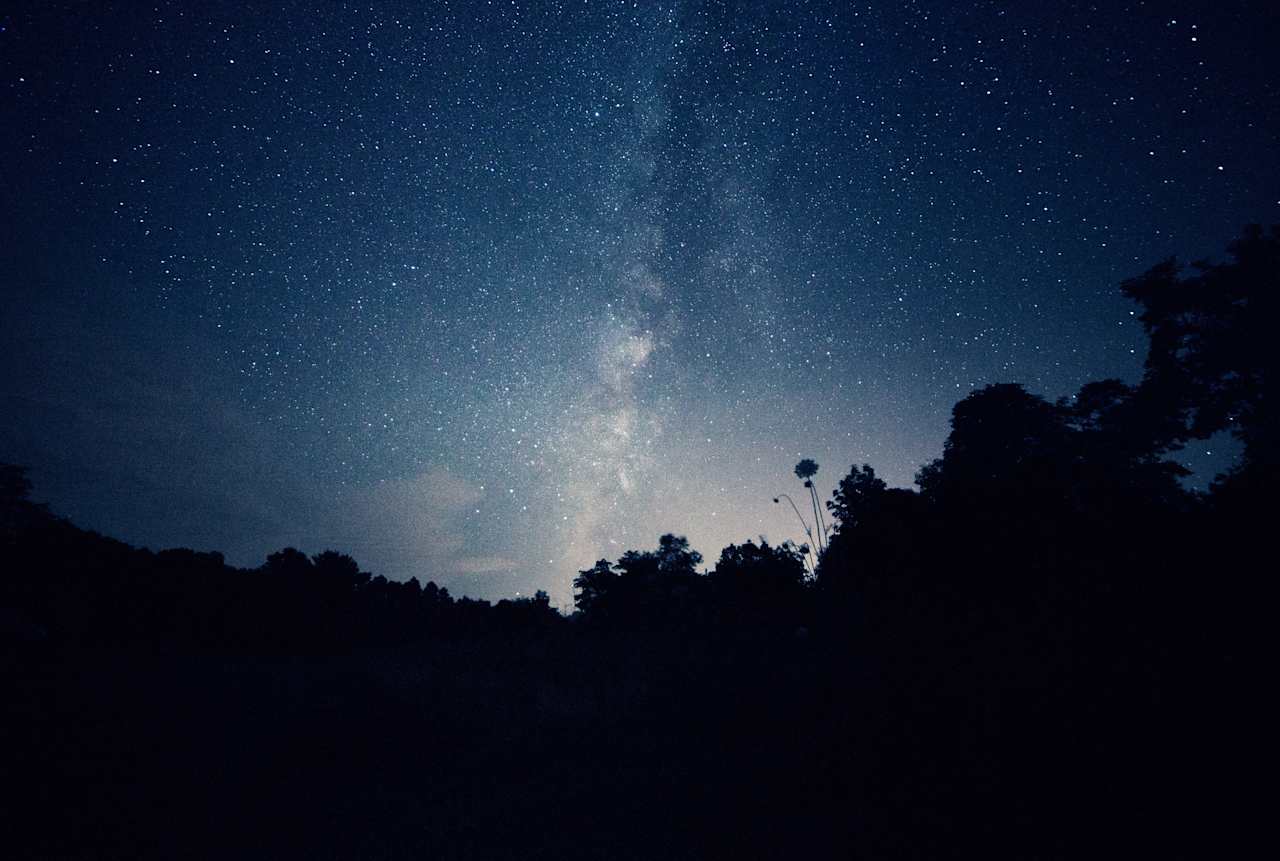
(480,292)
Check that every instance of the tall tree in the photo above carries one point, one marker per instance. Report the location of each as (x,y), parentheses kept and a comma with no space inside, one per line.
(594,588)
(1004,441)
(857,494)
(1212,360)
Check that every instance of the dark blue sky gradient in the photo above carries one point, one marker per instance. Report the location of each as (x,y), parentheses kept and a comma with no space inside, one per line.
(481,292)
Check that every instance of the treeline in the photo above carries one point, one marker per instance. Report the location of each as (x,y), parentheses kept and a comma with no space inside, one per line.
(1066,518)
(65,585)
(1050,649)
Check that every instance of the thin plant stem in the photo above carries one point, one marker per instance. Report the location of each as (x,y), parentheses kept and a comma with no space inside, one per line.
(807,531)
(813,497)
(822,521)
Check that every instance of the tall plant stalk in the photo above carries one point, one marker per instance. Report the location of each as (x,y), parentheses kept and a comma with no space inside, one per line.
(810,564)
(805,471)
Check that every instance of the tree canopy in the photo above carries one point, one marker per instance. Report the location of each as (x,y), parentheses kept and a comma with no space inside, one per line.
(1212,361)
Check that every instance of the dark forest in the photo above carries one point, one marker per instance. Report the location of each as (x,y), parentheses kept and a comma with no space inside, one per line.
(1048,648)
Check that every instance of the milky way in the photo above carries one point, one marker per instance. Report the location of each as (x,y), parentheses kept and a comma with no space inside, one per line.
(482,292)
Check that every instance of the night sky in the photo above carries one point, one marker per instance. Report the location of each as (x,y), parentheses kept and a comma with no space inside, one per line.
(482,292)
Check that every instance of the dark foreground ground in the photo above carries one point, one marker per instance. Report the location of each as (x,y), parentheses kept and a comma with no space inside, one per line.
(571,744)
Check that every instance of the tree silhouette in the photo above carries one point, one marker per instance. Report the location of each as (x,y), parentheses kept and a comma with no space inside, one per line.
(855,497)
(1212,362)
(340,568)
(17,511)
(762,562)
(1121,461)
(525,613)
(1004,442)
(676,558)
(672,561)
(594,587)
(642,587)
(759,583)
(289,562)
